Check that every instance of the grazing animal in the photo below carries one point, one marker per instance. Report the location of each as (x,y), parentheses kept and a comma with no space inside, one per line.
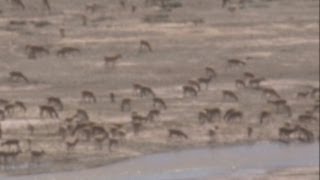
(37,154)
(3,102)
(240,83)
(278,104)
(145,45)
(67,50)
(159,102)
(137,88)
(34,50)
(195,83)
(125,105)
(285,132)
(306,118)
(229,95)
(235,63)
(177,132)
(11,143)
(88,96)
(49,111)
(111,60)
(236,115)
(20,105)
(228,113)
(71,143)
(269,92)
(213,113)
(152,113)
(302,95)
(264,115)
(92,7)
(62,32)
(205,81)
(147,91)
(9,109)
(249,131)
(112,97)
(203,117)
(315,92)
(2,115)
(135,117)
(55,102)
(136,125)
(113,142)
(18,76)
(210,72)
(46,4)
(189,90)
(81,116)
(18,3)
(255,82)
(225,2)
(248,75)
(305,135)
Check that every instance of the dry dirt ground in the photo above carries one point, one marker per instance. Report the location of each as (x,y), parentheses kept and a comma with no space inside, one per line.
(278,40)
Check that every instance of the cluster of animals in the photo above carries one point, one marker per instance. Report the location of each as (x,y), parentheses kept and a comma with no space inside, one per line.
(80,128)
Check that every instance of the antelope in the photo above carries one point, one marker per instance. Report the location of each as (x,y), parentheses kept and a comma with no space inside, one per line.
(46,4)
(2,115)
(137,88)
(18,3)
(122,3)
(194,83)
(62,32)
(70,144)
(240,83)
(210,72)
(55,102)
(11,142)
(34,50)
(315,92)
(146,91)
(211,133)
(83,128)
(99,139)
(92,7)
(112,97)
(111,60)
(255,82)
(177,132)
(125,105)
(285,132)
(145,44)
(225,2)
(226,94)
(277,104)
(152,113)
(269,92)
(305,135)
(306,118)
(37,154)
(49,110)
(136,125)
(133,9)
(302,95)
(235,62)
(9,109)
(67,50)
(203,117)
(81,116)
(249,131)
(158,102)
(189,90)
(264,115)
(236,115)
(248,75)
(20,105)
(88,96)
(205,81)
(135,117)
(17,76)
(213,113)
(3,102)
(228,113)
(113,142)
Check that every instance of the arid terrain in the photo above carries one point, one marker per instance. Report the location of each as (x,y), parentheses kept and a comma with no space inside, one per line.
(263,58)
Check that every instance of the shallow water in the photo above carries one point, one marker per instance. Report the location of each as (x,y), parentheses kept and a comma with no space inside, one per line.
(205,163)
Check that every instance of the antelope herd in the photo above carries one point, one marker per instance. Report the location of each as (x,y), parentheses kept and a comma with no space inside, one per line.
(82,128)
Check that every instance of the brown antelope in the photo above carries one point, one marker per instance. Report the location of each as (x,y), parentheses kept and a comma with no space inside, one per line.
(135,117)
(136,125)
(306,118)
(113,142)
(305,135)
(145,44)
(203,117)
(81,116)
(100,139)
(235,63)
(49,111)
(152,114)
(122,3)
(55,102)
(3,102)
(264,115)
(112,97)
(71,143)
(228,113)
(159,103)
(234,116)
(189,90)
(211,133)
(177,132)
(111,60)
(20,105)
(137,88)
(315,92)
(213,113)
(88,96)
(229,95)
(269,92)
(249,131)
(9,109)
(146,91)
(278,104)
(2,115)
(302,95)
(62,32)
(34,50)
(125,105)
(240,83)
(18,3)
(210,72)
(133,9)
(225,2)
(11,143)
(205,81)
(255,82)
(46,4)
(92,7)
(67,50)
(285,132)
(36,155)
(18,76)
(195,84)
(248,75)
